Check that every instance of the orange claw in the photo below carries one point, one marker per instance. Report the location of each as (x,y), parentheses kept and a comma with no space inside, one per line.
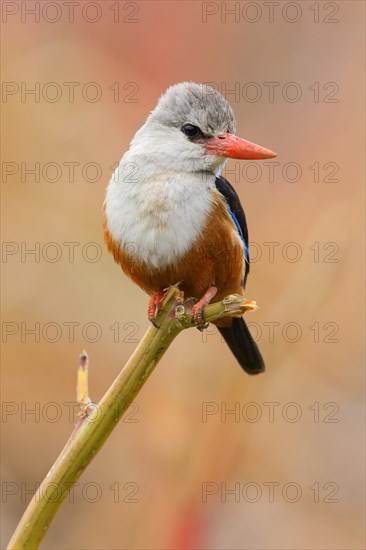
(154,301)
(197,310)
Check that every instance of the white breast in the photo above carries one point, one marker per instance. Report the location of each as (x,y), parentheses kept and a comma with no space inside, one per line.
(157,215)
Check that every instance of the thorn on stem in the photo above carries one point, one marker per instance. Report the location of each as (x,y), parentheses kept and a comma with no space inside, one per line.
(84,360)
(82,389)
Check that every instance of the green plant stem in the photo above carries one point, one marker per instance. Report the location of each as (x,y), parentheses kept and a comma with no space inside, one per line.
(93,429)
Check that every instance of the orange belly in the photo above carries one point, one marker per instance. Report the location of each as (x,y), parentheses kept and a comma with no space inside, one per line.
(216,257)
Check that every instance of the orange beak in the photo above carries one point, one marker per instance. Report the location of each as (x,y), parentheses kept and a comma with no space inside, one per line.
(234,147)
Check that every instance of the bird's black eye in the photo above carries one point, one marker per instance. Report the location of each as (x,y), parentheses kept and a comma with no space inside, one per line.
(191,131)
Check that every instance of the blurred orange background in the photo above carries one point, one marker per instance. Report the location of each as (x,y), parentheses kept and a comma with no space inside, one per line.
(198,477)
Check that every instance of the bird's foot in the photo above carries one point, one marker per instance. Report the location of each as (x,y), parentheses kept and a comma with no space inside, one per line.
(153,306)
(197,310)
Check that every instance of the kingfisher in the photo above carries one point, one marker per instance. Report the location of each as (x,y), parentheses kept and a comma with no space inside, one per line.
(170,216)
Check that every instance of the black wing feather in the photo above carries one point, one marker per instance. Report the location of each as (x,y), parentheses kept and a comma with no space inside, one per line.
(237,336)
(237,213)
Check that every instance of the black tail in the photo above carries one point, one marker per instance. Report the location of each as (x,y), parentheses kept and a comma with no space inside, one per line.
(242,345)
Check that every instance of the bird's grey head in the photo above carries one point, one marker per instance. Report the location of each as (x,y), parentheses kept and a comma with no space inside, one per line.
(186,116)
(191,130)
(195,104)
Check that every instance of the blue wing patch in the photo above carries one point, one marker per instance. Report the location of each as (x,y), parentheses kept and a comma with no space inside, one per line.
(237,224)
(237,214)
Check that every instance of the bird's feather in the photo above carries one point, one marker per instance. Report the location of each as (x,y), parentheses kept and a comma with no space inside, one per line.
(243,346)
(238,216)
(237,335)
